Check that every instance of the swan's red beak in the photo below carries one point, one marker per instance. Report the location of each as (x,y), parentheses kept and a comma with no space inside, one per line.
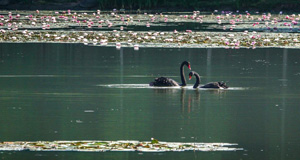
(190,67)
(190,77)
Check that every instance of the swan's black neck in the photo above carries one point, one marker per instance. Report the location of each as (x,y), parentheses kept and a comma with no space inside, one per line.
(196,85)
(183,81)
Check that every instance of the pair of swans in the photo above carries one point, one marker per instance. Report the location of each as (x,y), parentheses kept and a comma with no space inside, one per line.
(163,81)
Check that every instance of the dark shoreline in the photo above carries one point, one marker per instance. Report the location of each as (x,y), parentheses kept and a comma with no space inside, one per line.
(93,5)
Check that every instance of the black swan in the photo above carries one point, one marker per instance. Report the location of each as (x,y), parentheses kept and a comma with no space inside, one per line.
(163,81)
(221,85)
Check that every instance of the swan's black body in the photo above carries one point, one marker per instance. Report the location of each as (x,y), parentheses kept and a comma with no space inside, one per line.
(208,85)
(163,81)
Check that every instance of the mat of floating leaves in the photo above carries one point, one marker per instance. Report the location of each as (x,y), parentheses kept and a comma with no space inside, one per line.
(103,146)
(16,20)
(47,26)
(179,39)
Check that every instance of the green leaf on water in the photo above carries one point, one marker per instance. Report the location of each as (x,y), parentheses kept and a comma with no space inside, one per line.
(154,141)
(101,143)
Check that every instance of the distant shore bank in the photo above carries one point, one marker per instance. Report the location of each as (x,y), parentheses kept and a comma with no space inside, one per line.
(165,6)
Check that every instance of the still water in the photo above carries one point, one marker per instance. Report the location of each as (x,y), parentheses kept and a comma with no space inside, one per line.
(76,92)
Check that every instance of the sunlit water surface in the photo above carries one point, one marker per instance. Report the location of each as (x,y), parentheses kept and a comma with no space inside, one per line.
(75,92)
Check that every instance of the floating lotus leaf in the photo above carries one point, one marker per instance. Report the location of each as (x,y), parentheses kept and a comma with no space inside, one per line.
(267,30)
(102,146)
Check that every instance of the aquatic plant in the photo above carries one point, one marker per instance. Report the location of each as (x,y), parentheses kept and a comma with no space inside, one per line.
(124,145)
(111,28)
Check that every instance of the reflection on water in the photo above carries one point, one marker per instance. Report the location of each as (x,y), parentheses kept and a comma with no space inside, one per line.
(188,102)
(283,103)
(76,92)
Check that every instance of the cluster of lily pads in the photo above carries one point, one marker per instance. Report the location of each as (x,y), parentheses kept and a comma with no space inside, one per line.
(103,146)
(112,28)
(173,39)
(64,19)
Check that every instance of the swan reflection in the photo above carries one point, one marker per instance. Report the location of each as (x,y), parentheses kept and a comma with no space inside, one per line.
(189,100)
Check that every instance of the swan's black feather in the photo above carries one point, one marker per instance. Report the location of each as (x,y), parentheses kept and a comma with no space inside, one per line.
(163,81)
(211,85)
(215,85)
(208,85)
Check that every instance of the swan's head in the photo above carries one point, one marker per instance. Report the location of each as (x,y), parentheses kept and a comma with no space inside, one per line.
(190,75)
(187,64)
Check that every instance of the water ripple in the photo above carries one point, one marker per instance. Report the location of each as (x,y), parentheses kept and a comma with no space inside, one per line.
(189,87)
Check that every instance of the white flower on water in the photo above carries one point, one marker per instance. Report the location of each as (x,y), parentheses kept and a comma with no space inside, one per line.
(231,35)
(118,45)
(136,47)
(169,40)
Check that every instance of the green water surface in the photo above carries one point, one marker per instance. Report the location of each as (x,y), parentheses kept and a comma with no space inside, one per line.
(61,92)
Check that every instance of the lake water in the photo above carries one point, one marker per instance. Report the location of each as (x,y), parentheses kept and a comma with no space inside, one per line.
(76,92)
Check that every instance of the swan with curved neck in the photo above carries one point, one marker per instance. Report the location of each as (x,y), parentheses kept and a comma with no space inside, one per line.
(164,81)
(221,85)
